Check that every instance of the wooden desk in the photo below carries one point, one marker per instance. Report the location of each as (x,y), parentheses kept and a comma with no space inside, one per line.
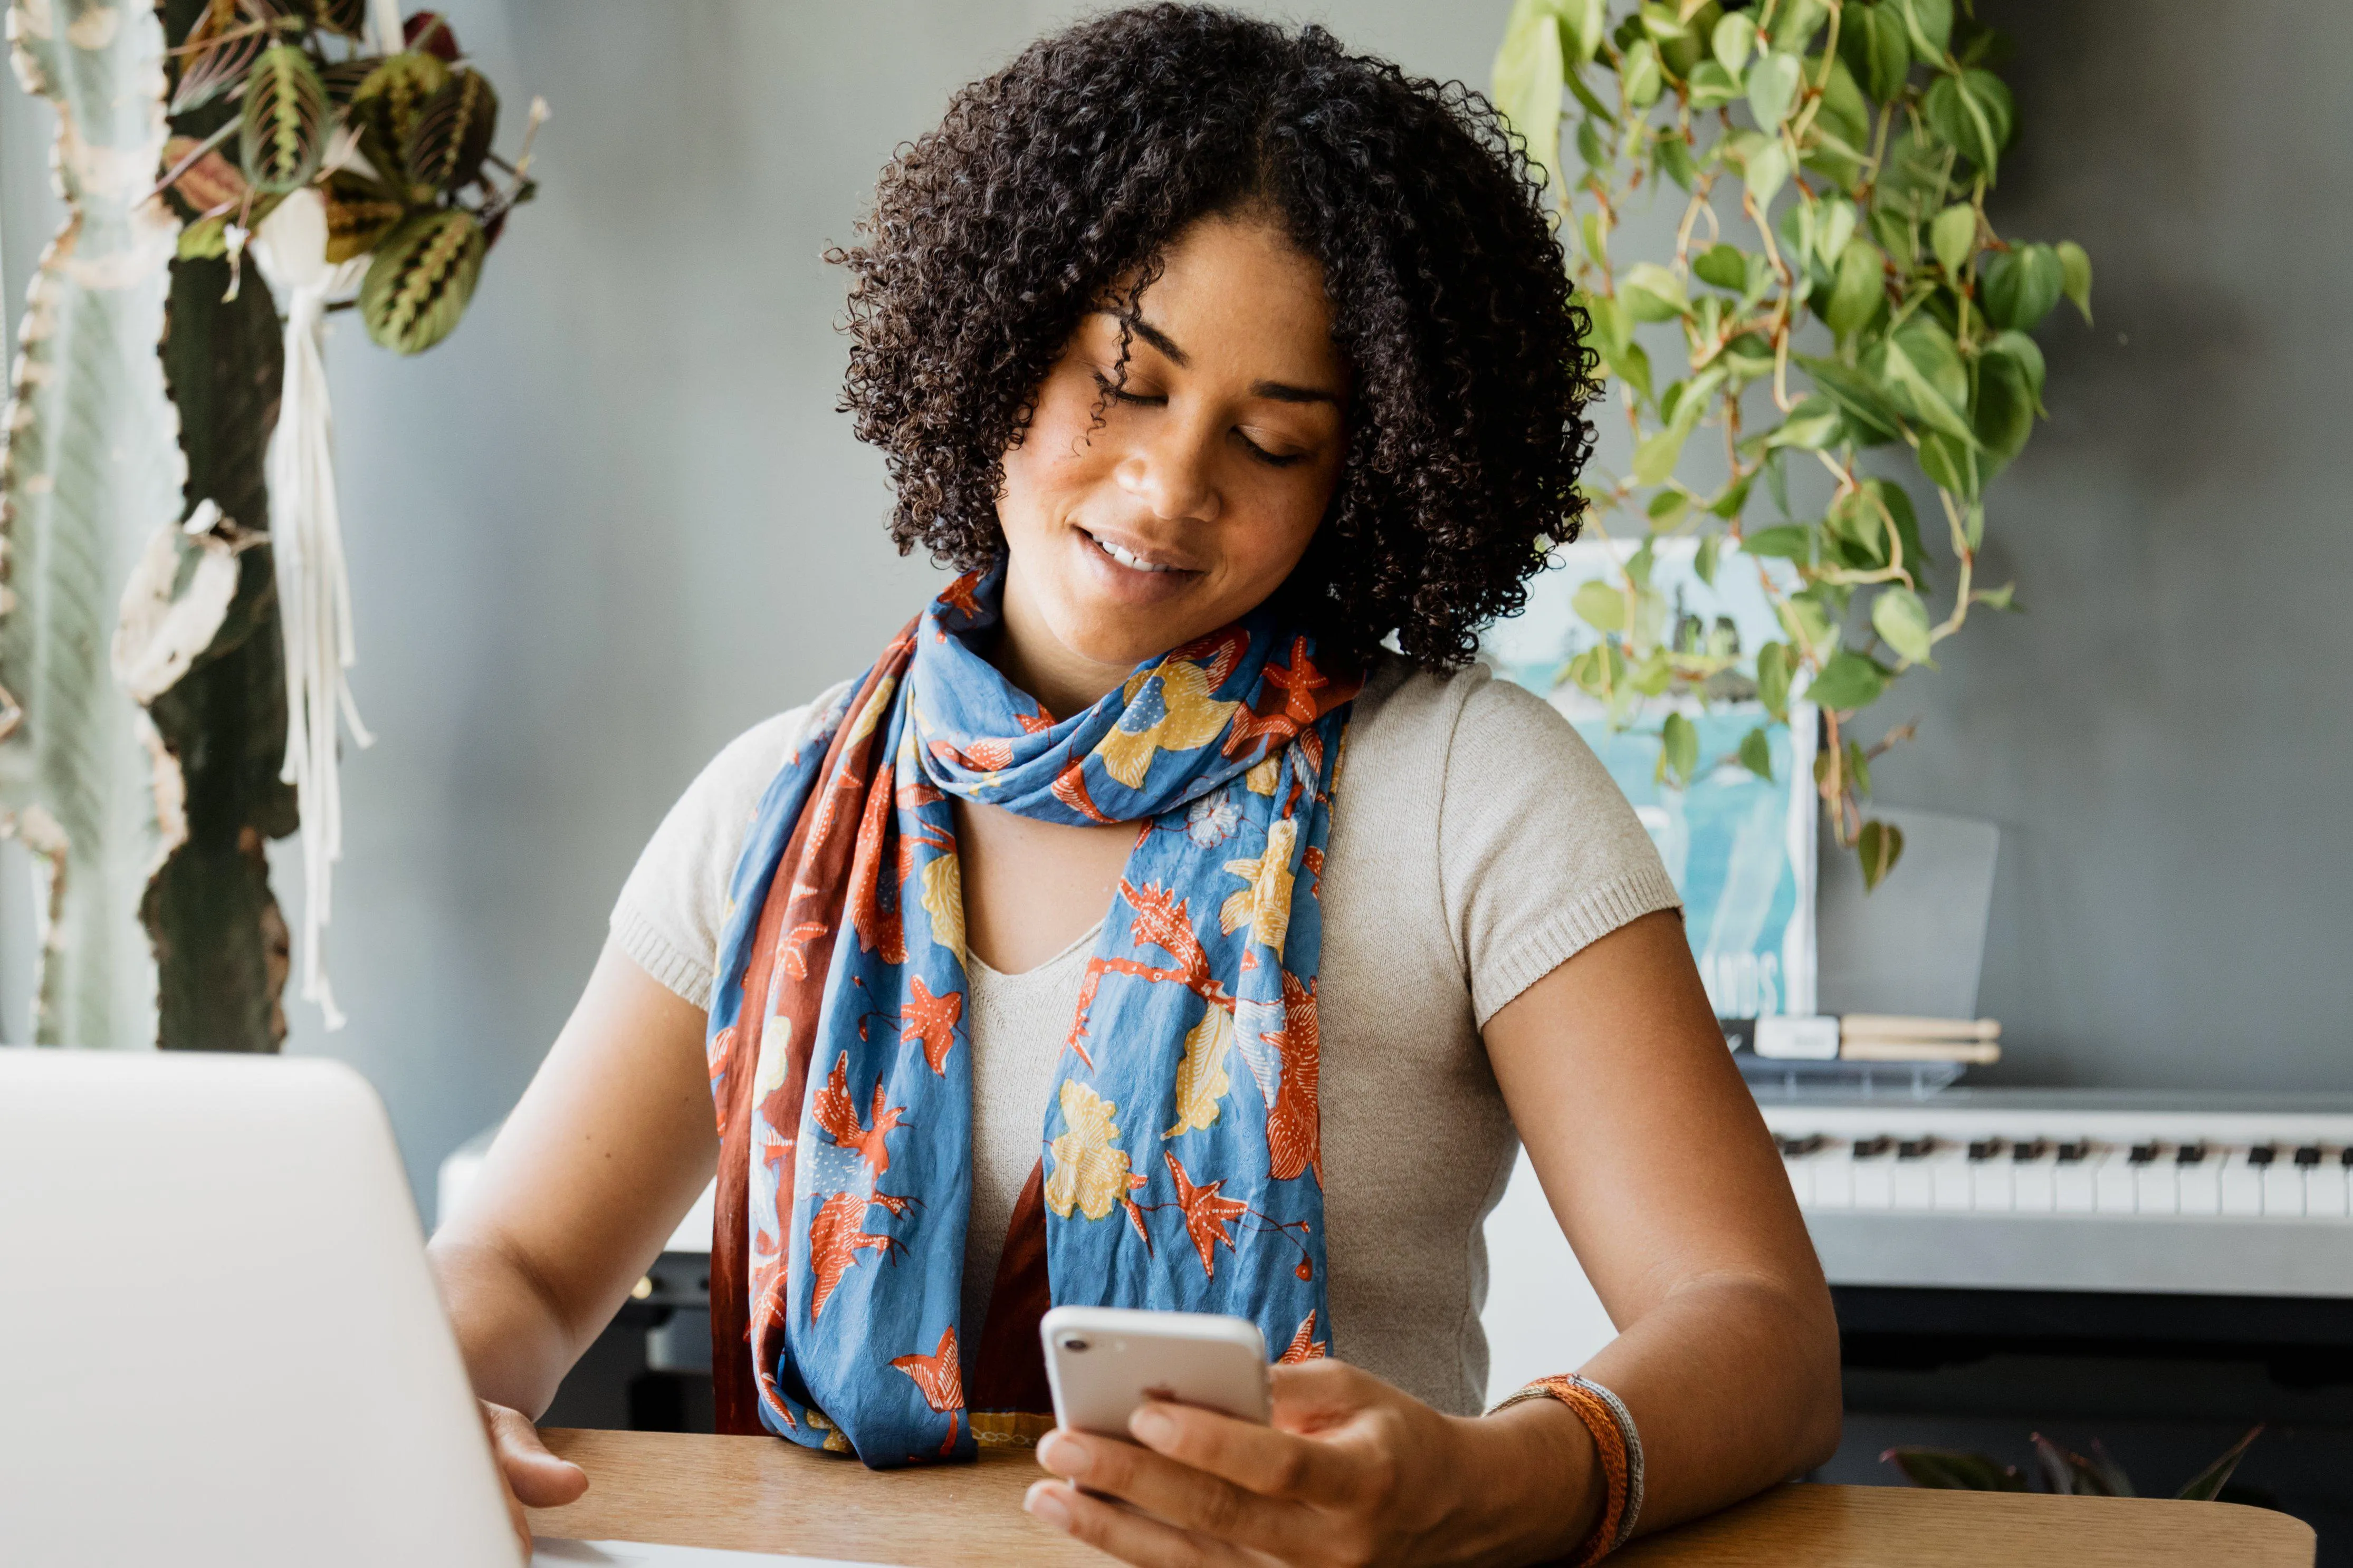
(756,1494)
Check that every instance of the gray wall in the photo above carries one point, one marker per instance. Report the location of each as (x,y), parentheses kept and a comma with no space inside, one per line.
(615,519)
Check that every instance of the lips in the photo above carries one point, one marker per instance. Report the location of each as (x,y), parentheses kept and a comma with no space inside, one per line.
(1136,556)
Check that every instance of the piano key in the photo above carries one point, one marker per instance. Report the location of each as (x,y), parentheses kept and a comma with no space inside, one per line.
(2028,1150)
(2282,1192)
(2309,1156)
(2324,1193)
(1993,1186)
(2154,1190)
(2189,1153)
(2075,1187)
(2242,1184)
(1833,1178)
(2034,1188)
(2115,1183)
(1951,1179)
(2198,1188)
(1875,1185)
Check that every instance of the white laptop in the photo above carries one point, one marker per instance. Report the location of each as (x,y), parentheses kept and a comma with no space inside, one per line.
(219,1343)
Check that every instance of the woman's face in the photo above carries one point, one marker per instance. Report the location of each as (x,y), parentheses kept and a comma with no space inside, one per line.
(1197,493)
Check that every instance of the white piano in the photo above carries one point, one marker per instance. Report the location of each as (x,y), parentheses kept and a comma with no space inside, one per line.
(2078,1191)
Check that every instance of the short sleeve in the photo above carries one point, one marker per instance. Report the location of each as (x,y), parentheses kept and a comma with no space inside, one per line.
(671,909)
(1539,853)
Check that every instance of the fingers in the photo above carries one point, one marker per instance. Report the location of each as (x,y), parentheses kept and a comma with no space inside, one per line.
(1313,1394)
(1183,1495)
(1265,1462)
(533,1474)
(1130,1537)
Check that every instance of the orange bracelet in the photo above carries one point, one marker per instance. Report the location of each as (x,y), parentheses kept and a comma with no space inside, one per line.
(1619,1446)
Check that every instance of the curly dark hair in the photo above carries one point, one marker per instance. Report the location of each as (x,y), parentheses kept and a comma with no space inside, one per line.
(1077,165)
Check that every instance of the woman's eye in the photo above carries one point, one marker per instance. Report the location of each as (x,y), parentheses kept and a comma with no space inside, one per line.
(1119,394)
(1273,459)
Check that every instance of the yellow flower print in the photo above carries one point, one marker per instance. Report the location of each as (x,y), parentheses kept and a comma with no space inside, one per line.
(1201,1075)
(1265,774)
(1190,718)
(944,901)
(1265,905)
(1089,1174)
(871,714)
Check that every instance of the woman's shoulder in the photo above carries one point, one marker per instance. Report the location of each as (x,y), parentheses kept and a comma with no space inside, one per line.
(732,782)
(669,910)
(1411,716)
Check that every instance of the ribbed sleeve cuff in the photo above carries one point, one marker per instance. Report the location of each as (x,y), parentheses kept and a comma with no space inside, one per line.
(1582,923)
(680,972)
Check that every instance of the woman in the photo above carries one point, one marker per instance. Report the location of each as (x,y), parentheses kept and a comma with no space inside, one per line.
(1214,356)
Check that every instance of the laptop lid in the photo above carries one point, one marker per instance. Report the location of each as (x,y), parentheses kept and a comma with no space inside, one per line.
(219,1343)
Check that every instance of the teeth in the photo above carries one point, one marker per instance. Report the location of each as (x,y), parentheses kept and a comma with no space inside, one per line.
(1125,558)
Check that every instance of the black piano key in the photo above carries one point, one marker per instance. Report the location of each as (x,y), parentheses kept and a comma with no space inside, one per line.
(2261,1154)
(2029,1150)
(2345,1155)
(1797,1147)
(1871,1148)
(2309,1156)
(1985,1149)
(2074,1151)
(2143,1153)
(1916,1148)
(2190,1154)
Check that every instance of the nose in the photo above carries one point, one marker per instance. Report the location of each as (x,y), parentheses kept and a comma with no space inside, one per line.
(1170,469)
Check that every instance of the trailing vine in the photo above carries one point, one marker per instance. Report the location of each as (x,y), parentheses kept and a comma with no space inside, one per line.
(1835,286)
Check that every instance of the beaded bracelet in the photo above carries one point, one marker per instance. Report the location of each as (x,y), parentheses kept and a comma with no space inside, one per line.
(1620,1447)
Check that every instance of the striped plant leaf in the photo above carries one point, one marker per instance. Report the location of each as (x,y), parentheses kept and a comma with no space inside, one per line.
(91,472)
(387,102)
(220,49)
(208,183)
(344,77)
(360,212)
(348,17)
(284,132)
(453,133)
(423,275)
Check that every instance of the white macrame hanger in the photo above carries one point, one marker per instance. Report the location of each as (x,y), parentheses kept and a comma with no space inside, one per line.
(384,25)
(314,594)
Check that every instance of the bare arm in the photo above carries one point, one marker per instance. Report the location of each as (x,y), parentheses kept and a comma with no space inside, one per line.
(1668,1186)
(611,1144)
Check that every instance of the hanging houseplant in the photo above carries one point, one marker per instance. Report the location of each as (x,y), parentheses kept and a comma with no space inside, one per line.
(174,701)
(1833,289)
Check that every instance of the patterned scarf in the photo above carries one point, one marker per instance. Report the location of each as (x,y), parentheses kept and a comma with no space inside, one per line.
(841,1053)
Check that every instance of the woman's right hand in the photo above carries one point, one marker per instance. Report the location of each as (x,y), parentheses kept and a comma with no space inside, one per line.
(529,1475)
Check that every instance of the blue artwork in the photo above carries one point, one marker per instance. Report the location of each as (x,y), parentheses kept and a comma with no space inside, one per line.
(1740,848)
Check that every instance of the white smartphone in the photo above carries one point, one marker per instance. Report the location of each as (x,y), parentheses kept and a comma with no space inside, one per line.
(1104,1362)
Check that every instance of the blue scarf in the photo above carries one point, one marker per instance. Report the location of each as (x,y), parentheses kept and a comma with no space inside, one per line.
(1180,1162)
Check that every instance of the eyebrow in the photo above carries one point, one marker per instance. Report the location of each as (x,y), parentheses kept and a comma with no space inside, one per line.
(1275,390)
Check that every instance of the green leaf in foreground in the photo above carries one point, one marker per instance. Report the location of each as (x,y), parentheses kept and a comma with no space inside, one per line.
(1879,845)
(1900,618)
(1775,665)
(2076,276)
(1678,751)
(1756,754)
(1600,605)
(1847,682)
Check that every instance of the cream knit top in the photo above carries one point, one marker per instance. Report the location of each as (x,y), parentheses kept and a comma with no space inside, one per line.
(1476,843)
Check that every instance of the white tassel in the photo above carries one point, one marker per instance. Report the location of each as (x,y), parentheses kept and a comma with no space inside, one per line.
(314,595)
(383,23)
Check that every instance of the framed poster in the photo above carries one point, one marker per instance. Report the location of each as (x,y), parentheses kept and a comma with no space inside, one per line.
(1738,842)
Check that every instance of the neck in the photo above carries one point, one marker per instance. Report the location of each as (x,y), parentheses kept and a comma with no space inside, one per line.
(1029,656)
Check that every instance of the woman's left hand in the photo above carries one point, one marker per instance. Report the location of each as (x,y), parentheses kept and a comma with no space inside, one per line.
(1351,1472)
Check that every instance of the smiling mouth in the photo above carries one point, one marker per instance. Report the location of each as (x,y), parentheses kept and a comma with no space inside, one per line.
(1130,559)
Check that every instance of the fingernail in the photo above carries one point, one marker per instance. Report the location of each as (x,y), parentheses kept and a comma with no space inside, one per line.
(1044,1501)
(1065,1455)
(1152,1425)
